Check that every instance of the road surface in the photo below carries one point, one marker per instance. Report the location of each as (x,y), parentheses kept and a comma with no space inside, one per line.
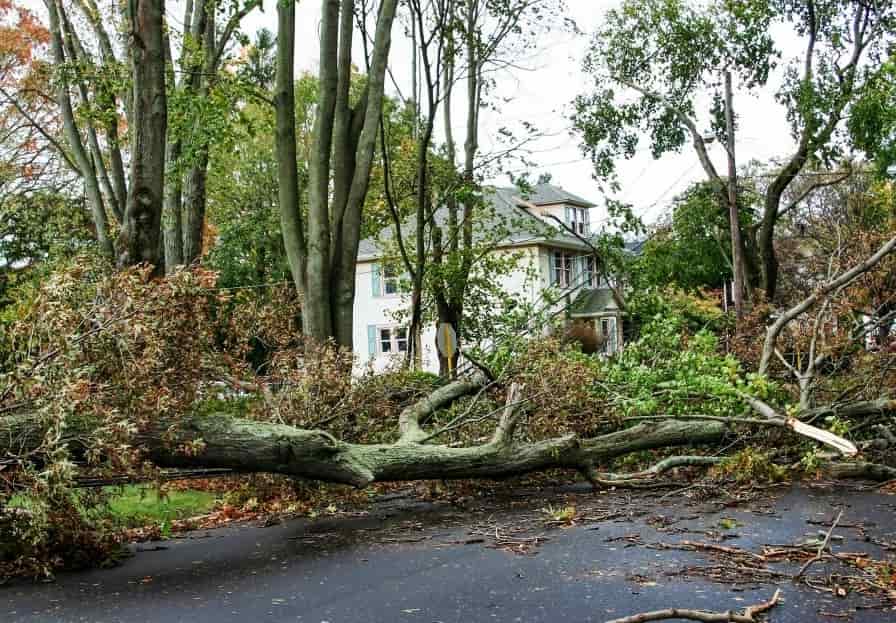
(499,559)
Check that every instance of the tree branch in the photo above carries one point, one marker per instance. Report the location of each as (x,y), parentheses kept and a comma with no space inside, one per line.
(842,280)
(749,615)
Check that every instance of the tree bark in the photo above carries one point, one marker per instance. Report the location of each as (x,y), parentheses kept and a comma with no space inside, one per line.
(141,226)
(251,446)
(73,138)
(737,255)
(285,145)
(323,252)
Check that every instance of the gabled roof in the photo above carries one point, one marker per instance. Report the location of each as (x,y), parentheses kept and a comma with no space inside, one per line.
(506,215)
(594,302)
(547,194)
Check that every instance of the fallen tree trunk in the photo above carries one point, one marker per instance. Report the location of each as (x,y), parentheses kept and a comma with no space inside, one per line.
(224,442)
(219,441)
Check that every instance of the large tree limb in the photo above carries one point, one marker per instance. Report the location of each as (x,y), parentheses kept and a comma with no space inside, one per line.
(218,441)
(828,438)
(842,280)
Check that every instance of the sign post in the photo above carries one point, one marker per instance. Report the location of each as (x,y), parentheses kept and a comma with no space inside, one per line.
(446,341)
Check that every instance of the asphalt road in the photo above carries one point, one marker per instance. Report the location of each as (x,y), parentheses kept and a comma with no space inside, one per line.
(418,563)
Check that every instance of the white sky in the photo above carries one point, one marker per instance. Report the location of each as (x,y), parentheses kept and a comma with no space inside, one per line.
(543,94)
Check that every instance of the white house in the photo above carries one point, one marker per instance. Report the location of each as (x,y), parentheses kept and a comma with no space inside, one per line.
(551,263)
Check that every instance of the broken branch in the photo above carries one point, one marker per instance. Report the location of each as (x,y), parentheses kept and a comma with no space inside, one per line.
(749,615)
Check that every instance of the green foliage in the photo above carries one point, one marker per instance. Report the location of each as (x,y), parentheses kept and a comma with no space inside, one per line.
(695,312)
(672,50)
(671,371)
(750,465)
(692,250)
(34,228)
(872,123)
(674,367)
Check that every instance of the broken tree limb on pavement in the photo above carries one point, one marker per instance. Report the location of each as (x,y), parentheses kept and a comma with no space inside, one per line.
(242,445)
(749,615)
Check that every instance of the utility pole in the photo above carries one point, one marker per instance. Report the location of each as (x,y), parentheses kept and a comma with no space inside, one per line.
(737,261)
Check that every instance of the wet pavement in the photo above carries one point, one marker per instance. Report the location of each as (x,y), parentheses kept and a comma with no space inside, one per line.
(497,559)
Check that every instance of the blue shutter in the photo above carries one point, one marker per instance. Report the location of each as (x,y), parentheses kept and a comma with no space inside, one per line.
(569,216)
(375,280)
(371,340)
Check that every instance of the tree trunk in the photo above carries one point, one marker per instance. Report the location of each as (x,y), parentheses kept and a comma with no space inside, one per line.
(251,446)
(323,253)
(172,223)
(194,208)
(737,250)
(285,145)
(73,138)
(141,227)
(369,112)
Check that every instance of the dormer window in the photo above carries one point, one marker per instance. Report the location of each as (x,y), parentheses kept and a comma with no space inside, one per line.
(577,219)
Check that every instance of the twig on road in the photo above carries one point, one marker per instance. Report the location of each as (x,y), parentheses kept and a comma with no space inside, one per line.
(749,615)
(820,553)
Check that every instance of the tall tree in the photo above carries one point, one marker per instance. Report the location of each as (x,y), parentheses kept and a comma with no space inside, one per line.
(84,164)
(430,36)
(485,36)
(841,66)
(140,227)
(689,51)
(201,109)
(685,55)
(323,251)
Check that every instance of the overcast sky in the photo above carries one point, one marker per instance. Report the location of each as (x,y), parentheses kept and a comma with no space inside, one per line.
(542,95)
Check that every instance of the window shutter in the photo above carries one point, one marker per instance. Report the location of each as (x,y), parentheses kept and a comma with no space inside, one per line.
(371,340)
(569,216)
(375,280)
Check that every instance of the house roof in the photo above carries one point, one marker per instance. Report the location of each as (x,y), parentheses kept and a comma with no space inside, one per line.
(594,302)
(546,194)
(516,224)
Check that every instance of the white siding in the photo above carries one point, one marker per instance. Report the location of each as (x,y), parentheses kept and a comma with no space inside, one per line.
(376,310)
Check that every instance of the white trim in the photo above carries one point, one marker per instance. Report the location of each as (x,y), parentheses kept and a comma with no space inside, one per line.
(394,339)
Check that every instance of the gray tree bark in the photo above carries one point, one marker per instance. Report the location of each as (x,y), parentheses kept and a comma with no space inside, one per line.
(141,226)
(324,250)
(73,137)
(285,145)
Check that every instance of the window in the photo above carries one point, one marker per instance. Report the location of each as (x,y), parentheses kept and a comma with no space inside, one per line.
(589,275)
(608,331)
(577,219)
(392,340)
(561,274)
(388,280)
(391,280)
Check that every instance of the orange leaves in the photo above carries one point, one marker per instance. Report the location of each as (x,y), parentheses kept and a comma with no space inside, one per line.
(22,36)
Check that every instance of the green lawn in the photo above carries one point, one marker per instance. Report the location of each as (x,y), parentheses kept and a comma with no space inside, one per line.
(140,505)
(134,506)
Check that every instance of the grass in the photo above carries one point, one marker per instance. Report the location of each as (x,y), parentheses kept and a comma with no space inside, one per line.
(134,506)
(140,505)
